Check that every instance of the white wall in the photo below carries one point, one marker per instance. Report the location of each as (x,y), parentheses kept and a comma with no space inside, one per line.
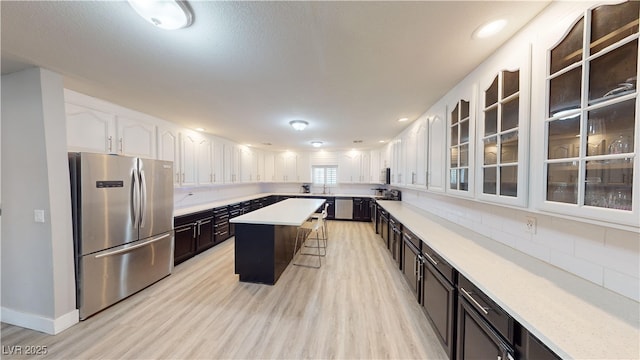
(38,284)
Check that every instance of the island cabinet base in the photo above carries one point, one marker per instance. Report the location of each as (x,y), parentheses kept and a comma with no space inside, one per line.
(263,251)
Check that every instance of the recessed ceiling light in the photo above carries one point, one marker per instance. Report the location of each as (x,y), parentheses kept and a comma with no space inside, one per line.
(403,119)
(489,29)
(382,141)
(165,14)
(298,125)
(316,143)
(247,144)
(199,129)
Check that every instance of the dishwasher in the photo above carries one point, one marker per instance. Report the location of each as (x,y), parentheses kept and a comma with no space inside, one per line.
(344,208)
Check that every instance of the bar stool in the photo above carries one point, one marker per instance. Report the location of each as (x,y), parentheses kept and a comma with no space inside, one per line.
(307,229)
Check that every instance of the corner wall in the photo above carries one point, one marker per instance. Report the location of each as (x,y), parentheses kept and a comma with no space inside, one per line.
(38,284)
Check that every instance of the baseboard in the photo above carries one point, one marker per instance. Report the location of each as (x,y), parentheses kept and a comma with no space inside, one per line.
(40,323)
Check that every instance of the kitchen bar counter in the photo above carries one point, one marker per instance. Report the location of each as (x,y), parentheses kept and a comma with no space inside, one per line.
(573,317)
(179,211)
(265,238)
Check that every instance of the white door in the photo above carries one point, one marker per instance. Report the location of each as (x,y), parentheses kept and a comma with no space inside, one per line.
(168,143)
(136,138)
(188,154)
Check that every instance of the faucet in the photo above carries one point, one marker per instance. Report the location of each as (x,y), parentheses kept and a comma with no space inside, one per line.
(324,189)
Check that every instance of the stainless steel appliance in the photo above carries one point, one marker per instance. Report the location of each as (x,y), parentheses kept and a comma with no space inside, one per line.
(122,226)
(385,176)
(392,194)
(344,208)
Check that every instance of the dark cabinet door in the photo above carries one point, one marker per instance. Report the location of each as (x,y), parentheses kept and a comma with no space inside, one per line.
(204,234)
(411,268)
(385,229)
(366,210)
(184,243)
(476,338)
(438,299)
(331,209)
(395,241)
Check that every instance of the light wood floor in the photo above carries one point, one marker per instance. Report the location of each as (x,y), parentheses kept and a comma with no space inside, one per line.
(357,306)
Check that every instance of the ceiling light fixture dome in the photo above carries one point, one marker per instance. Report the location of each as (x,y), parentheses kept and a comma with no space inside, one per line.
(489,29)
(165,14)
(298,125)
(316,143)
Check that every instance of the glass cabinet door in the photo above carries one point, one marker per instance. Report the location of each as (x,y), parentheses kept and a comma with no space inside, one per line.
(591,125)
(460,136)
(503,125)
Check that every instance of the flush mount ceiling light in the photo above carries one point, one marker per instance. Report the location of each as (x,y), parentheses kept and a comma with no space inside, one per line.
(316,143)
(298,125)
(199,129)
(489,29)
(403,119)
(165,14)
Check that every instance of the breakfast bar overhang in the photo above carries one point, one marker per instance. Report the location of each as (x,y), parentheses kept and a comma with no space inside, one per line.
(265,238)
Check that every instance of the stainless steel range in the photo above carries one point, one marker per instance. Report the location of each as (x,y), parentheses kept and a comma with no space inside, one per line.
(122,226)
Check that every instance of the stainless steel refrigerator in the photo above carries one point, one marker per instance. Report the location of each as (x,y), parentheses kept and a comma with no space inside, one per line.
(122,226)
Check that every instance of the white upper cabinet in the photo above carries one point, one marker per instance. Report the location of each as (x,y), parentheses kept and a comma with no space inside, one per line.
(461,141)
(375,168)
(168,149)
(503,129)
(415,149)
(231,161)
(189,143)
(269,166)
(205,161)
(218,161)
(396,155)
(303,167)
(354,167)
(248,165)
(89,129)
(436,144)
(286,167)
(94,125)
(136,137)
(589,118)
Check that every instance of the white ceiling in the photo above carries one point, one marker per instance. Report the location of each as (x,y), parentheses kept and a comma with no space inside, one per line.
(243,70)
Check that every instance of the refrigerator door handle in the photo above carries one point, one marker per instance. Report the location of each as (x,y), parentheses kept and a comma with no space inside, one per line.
(116,252)
(135,199)
(143,197)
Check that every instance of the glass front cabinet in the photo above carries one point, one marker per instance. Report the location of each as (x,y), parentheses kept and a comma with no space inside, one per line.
(460,143)
(591,116)
(503,123)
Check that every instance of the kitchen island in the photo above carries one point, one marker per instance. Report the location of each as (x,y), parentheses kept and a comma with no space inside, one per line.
(265,238)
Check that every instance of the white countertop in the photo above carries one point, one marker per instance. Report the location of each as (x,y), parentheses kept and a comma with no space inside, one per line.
(573,317)
(179,211)
(292,212)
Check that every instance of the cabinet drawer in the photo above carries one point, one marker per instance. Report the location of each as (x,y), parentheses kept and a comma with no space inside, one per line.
(191,218)
(489,310)
(412,238)
(439,263)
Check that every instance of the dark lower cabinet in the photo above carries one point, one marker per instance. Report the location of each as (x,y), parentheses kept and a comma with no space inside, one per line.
(484,330)
(193,234)
(384,227)
(361,209)
(395,240)
(530,348)
(221,229)
(412,262)
(184,243)
(439,302)
(331,208)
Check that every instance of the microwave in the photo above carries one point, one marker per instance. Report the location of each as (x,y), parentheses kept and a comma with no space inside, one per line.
(385,176)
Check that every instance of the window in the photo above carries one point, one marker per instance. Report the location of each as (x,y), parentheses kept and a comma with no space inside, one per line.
(324,175)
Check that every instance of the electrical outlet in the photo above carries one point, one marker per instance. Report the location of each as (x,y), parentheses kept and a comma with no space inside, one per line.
(38,216)
(530,225)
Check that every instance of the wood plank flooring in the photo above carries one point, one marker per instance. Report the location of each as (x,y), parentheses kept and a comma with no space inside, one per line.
(356,306)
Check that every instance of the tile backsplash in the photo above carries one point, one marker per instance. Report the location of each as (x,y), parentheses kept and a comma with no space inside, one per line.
(606,256)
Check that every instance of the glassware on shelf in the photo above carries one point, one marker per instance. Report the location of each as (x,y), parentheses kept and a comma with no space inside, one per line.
(619,199)
(621,145)
(595,136)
